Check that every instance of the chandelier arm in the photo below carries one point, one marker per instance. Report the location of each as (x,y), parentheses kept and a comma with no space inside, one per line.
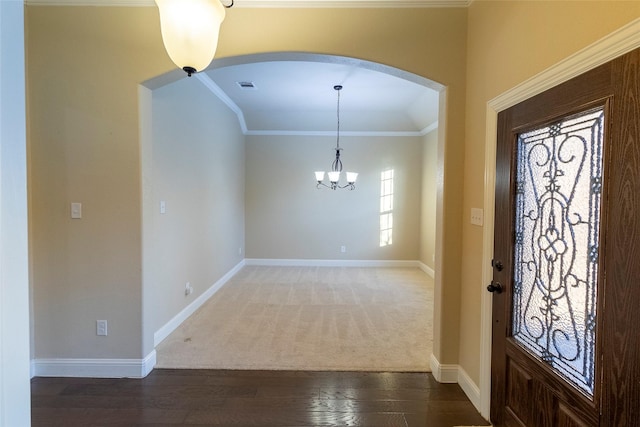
(230,6)
(350,186)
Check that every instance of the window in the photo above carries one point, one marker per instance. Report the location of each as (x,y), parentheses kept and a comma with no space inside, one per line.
(386,208)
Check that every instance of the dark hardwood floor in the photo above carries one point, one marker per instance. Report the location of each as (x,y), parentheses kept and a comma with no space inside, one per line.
(252,398)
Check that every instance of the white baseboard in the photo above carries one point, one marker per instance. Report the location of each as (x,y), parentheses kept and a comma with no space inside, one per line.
(424,267)
(330,263)
(94,368)
(454,374)
(177,320)
(470,388)
(444,373)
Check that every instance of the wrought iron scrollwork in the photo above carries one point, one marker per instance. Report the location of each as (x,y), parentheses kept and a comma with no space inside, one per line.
(559,181)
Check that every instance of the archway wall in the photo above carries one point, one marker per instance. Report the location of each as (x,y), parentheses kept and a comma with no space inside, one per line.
(508,44)
(84,65)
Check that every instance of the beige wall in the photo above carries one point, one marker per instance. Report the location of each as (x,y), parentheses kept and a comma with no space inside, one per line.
(82,97)
(84,65)
(428,199)
(197,169)
(509,42)
(288,218)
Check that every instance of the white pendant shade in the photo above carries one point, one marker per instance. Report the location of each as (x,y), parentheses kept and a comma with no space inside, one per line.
(319,176)
(351,177)
(190,30)
(334,176)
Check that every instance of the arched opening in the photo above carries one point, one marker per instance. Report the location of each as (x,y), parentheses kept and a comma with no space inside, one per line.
(426,251)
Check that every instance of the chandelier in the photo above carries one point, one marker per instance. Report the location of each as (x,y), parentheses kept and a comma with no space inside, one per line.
(190,30)
(336,166)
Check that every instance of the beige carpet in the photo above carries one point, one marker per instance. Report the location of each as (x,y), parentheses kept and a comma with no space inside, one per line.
(310,318)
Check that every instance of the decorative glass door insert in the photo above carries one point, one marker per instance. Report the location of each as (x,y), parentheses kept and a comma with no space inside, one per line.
(557,221)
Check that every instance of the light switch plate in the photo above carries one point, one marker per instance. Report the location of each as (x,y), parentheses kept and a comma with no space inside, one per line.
(477,216)
(76,210)
(101,328)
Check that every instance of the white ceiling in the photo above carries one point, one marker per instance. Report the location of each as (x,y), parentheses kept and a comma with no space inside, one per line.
(298,96)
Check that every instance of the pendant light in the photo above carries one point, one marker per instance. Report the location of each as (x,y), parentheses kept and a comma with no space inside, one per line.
(336,166)
(190,31)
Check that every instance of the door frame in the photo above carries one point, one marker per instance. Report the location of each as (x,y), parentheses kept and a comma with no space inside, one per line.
(616,44)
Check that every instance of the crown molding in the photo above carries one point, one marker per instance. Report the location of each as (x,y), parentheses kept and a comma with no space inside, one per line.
(272,3)
(89,2)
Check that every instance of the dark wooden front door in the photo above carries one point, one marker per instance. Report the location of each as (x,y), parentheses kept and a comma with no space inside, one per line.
(566,277)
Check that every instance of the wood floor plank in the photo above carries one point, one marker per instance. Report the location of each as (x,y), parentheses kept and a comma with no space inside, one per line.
(291,418)
(176,391)
(98,416)
(331,405)
(252,398)
(444,420)
(128,402)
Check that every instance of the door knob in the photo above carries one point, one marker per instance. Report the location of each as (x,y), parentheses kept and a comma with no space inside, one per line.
(495,287)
